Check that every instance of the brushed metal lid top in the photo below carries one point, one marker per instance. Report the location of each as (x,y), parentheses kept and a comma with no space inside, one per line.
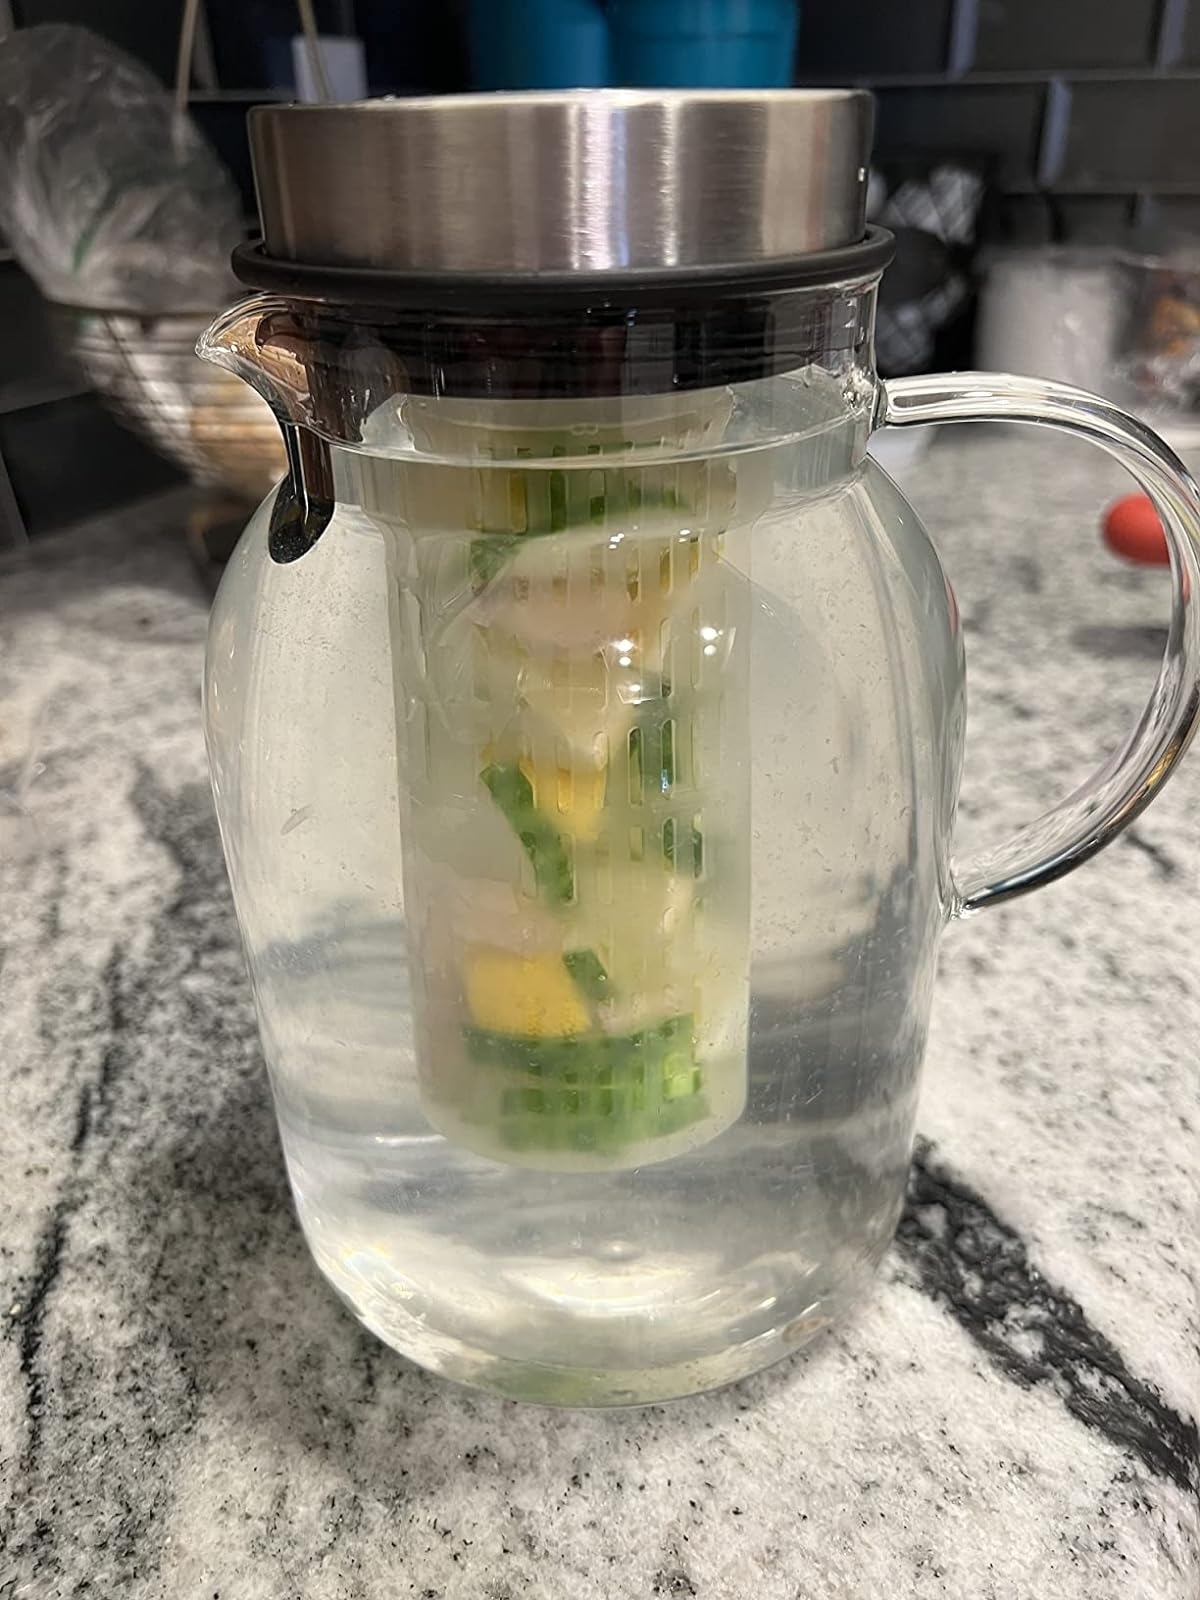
(610,182)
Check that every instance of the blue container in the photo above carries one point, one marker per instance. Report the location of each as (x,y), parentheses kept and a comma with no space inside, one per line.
(539,44)
(704,44)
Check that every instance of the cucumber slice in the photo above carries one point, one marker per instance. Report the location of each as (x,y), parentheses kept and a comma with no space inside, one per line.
(653,774)
(683,847)
(513,793)
(594,1092)
(489,555)
(587,970)
(545,499)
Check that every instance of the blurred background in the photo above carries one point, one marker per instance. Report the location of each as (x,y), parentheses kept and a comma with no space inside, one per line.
(1039,162)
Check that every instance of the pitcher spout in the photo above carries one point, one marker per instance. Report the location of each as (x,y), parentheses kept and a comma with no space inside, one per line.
(256,341)
(250,340)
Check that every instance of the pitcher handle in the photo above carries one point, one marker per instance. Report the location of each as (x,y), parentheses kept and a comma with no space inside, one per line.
(1092,815)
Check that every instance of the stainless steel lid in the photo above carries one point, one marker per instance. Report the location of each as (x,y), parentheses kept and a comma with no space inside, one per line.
(598,182)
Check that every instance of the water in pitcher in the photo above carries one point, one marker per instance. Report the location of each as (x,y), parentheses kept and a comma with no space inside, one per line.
(602,1087)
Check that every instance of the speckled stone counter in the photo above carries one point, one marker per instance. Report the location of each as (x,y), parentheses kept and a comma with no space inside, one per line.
(186,1411)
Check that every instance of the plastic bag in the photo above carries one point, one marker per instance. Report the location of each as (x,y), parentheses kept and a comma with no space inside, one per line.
(932,207)
(108,199)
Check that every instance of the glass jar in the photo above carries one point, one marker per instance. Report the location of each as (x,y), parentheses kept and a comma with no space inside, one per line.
(585,714)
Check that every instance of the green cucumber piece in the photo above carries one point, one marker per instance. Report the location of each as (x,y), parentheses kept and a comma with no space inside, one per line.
(588,974)
(576,1057)
(543,844)
(493,547)
(683,847)
(651,744)
(653,774)
(594,1092)
(489,555)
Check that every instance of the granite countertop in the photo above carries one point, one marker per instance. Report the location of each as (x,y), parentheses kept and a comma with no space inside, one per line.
(186,1411)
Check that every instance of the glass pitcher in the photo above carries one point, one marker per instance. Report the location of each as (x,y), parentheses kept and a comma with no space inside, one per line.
(585,713)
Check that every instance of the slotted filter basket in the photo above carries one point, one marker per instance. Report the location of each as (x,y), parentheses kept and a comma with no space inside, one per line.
(147,371)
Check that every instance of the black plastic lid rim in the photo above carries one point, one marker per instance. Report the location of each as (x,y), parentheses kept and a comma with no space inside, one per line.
(531,292)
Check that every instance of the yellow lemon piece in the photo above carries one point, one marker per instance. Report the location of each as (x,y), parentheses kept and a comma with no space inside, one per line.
(533,996)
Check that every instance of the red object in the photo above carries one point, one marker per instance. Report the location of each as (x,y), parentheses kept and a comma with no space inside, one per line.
(1133,528)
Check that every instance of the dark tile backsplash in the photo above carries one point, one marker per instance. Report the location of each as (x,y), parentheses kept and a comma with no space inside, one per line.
(69,459)
(1093,103)
(1173,213)
(148,29)
(223,123)
(1091,218)
(33,367)
(1142,134)
(998,121)
(246,34)
(1016,35)
(857,36)
(1189,36)
(1048,218)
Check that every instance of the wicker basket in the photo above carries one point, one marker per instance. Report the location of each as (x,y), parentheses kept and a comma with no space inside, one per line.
(147,371)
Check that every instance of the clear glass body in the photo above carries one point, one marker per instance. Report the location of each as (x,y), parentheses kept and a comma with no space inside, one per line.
(587,792)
